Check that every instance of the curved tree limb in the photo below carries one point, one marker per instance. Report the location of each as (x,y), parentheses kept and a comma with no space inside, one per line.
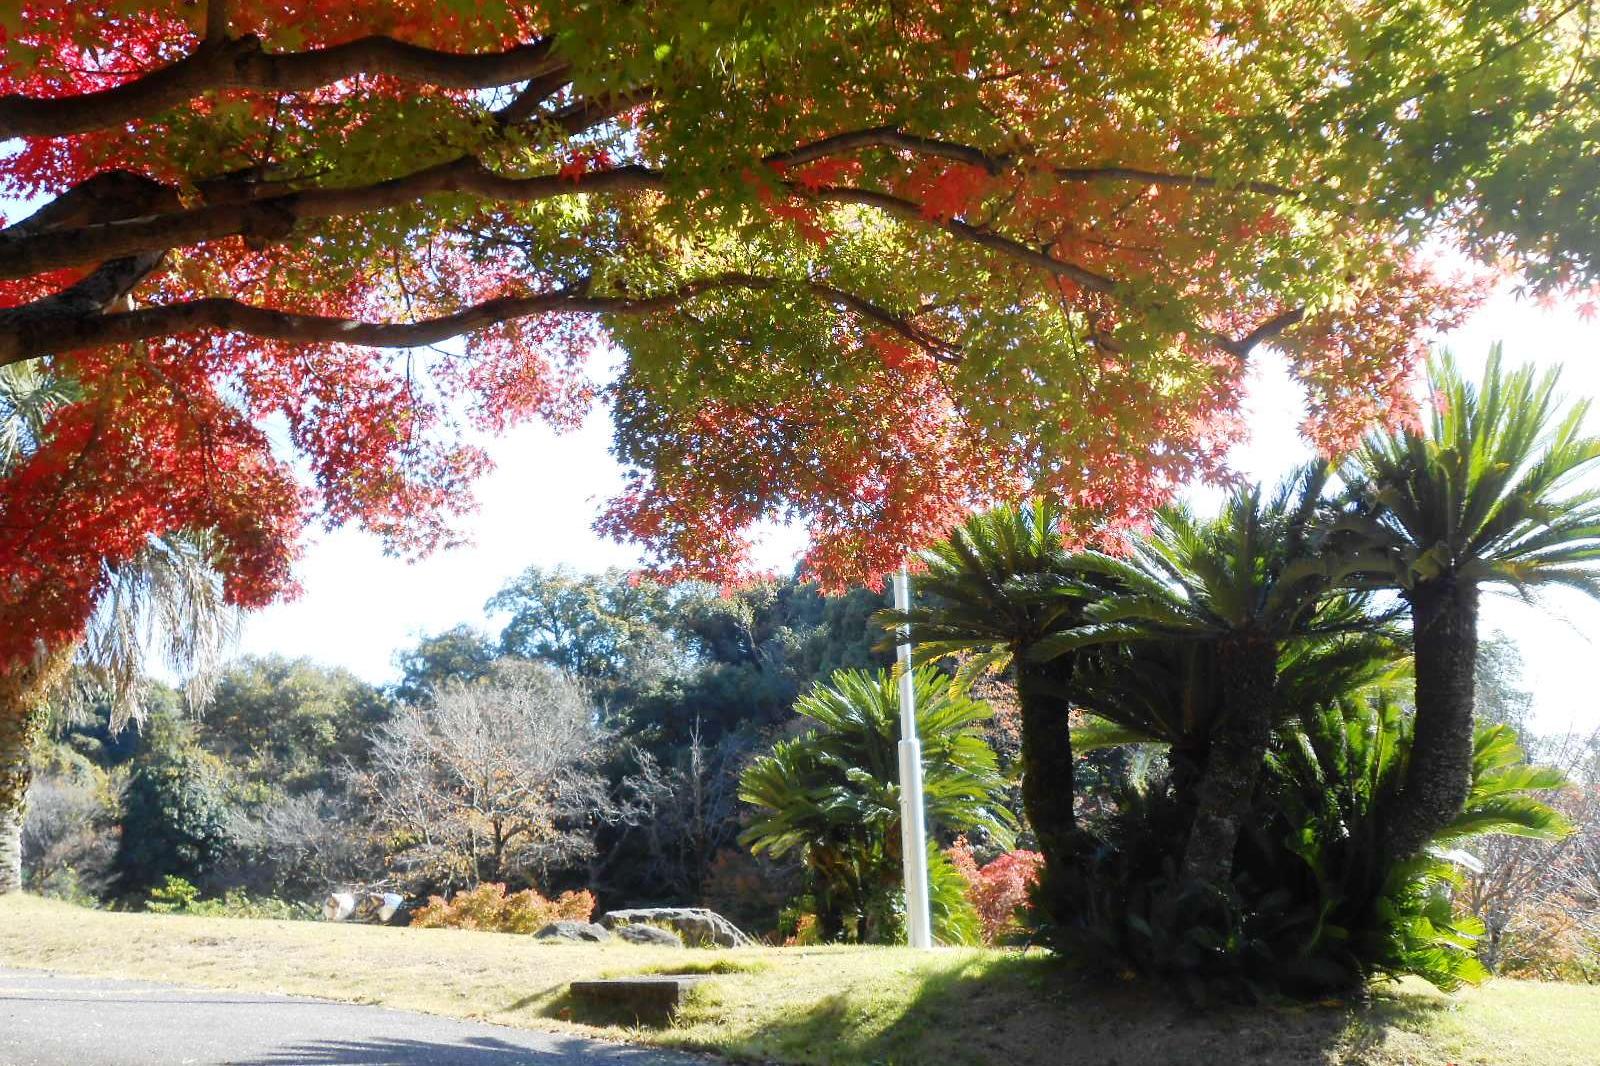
(1265,331)
(108,195)
(74,318)
(538,90)
(242,63)
(86,301)
(1239,347)
(886,137)
(896,138)
(590,112)
(273,218)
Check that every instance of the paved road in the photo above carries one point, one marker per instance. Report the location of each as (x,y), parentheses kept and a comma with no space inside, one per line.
(58,1020)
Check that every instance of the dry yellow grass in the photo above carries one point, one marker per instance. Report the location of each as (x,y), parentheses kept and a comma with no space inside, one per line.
(816,1005)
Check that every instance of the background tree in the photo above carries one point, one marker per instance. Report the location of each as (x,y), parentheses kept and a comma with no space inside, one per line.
(610,628)
(1500,694)
(299,845)
(693,678)
(69,836)
(458,654)
(493,781)
(174,814)
(754,650)
(292,734)
(289,722)
(1487,494)
(693,815)
(1539,900)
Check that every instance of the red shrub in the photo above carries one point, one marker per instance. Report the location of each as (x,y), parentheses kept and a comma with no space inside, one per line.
(999,889)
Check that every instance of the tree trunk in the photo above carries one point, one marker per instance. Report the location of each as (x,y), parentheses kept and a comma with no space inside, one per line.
(1233,766)
(22,690)
(1444,624)
(830,918)
(1048,785)
(19,725)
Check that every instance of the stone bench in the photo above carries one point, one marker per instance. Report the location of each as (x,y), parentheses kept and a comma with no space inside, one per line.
(651,999)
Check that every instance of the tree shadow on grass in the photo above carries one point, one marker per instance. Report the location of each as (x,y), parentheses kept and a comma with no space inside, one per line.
(1028,1011)
(469,1051)
(566,1007)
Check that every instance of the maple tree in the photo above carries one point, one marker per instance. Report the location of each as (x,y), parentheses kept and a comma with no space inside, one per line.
(869,265)
(999,889)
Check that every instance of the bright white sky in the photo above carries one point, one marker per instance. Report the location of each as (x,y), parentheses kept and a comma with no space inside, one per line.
(359,606)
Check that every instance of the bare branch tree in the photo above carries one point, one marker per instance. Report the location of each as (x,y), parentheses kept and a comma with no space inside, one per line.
(299,846)
(688,810)
(69,837)
(1540,900)
(495,781)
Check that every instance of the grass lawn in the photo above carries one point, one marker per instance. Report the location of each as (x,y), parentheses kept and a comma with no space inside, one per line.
(836,1005)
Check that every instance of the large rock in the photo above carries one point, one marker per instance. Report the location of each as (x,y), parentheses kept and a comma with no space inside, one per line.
(574,931)
(653,935)
(375,908)
(392,906)
(696,925)
(338,906)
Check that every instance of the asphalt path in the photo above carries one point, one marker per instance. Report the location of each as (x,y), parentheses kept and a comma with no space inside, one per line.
(49,1019)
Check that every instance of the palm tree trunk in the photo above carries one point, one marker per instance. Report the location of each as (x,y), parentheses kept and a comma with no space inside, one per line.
(22,690)
(1444,624)
(1249,670)
(19,726)
(1048,788)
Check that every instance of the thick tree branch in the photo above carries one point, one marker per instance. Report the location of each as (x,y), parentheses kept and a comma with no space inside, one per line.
(86,301)
(894,137)
(49,240)
(1264,332)
(887,137)
(941,350)
(216,19)
(273,218)
(107,196)
(538,90)
(243,63)
(74,318)
(270,218)
(585,114)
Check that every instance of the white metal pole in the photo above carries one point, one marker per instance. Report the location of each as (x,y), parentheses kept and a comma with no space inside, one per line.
(913,825)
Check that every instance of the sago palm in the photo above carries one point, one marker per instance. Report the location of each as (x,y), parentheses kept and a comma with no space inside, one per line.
(1241,588)
(1336,779)
(1167,693)
(1487,494)
(167,599)
(832,795)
